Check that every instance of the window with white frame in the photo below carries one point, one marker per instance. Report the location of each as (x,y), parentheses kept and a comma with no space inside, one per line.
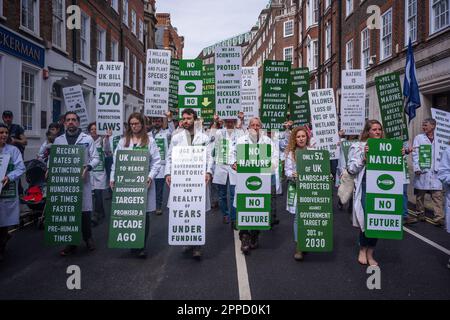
(312,54)
(115,5)
(125,12)
(114,50)
(439,15)
(386,35)
(327,4)
(328,42)
(316,54)
(85,38)
(349,55)
(139,81)
(133,22)
(58,23)
(365,48)
(133,70)
(348,7)
(288,28)
(141,31)
(101,44)
(288,54)
(28,98)
(312,12)
(327,79)
(315,12)
(126,69)
(29,15)
(411,21)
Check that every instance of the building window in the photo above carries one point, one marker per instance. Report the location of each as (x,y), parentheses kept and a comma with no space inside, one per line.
(328,42)
(28,102)
(365,48)
(439,15)
(133,71)
(101,44)
(313,54)
(115,5)
(312,10)
(126,68)
(316,54)
(133,22)
(58,25)
(30,15)
(349,55)
(411,21)
(140,73)
(327,78)
(289,28)
(386,35)
(141,31)
(125,12)
(85,36)
(348,7)
(114,50)
(327,4)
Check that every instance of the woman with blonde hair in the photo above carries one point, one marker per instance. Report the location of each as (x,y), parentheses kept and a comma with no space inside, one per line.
(298,140)
(357,166)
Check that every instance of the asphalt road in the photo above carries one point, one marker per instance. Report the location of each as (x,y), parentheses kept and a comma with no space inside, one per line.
(410,268)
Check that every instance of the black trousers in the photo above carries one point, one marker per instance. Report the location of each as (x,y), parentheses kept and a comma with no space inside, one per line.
(86,229)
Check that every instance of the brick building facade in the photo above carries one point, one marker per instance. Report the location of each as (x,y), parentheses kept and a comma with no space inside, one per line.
(167,36)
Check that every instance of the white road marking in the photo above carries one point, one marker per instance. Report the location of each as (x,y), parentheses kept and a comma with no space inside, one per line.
(241,266)
(431,243)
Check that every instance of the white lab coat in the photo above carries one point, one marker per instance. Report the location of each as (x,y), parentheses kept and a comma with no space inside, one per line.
(181,137)
(428,180)
(444,177)
(90,158)
(224,171)
(154,166)
(9,207)
(356,166)
(165,135)
(99,178)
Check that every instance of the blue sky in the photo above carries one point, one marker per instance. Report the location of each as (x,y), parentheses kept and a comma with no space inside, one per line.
(205,22)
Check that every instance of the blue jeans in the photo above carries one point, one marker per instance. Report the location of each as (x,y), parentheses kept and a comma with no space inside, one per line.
(223,200)
(159,185)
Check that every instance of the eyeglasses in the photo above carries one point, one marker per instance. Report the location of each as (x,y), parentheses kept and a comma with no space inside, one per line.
(135,124)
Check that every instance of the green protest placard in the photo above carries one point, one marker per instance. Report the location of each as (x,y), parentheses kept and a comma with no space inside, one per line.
(129,201)
(384,189)
(253,198)
(425,155)
(275,93)
(64,195)
(209,94)
(390,99)
(101,165)
(345,145)
(190,85)
(299,101)
(314,201)
(160,142)
(173,84)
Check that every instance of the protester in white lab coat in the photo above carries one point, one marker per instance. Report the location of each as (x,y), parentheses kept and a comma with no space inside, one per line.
(9,197)
(444,177)
(190,134)
(426,180)
(74,136)
(299,140)
(162,138)
(99,179)
(137,138)
(255,135)
(224,175)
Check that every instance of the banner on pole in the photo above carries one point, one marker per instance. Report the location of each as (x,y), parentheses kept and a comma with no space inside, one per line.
(74,101)
(249,93)
(157,83)
(442,133)
(190,85)
(353,101)
(300,112)
(209,95)
(173,84)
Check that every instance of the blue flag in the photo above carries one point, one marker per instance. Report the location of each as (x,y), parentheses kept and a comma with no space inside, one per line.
(410,86)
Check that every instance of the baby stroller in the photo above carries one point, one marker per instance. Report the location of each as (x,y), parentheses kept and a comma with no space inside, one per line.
(34,196)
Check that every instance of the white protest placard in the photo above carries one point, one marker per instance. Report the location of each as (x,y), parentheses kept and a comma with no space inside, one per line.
(441,134)
(157,83)
(249,93)
(228,64)
(4,161)
(353,101)
(74,101)
(324,120)
(187,199)
(110,97)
